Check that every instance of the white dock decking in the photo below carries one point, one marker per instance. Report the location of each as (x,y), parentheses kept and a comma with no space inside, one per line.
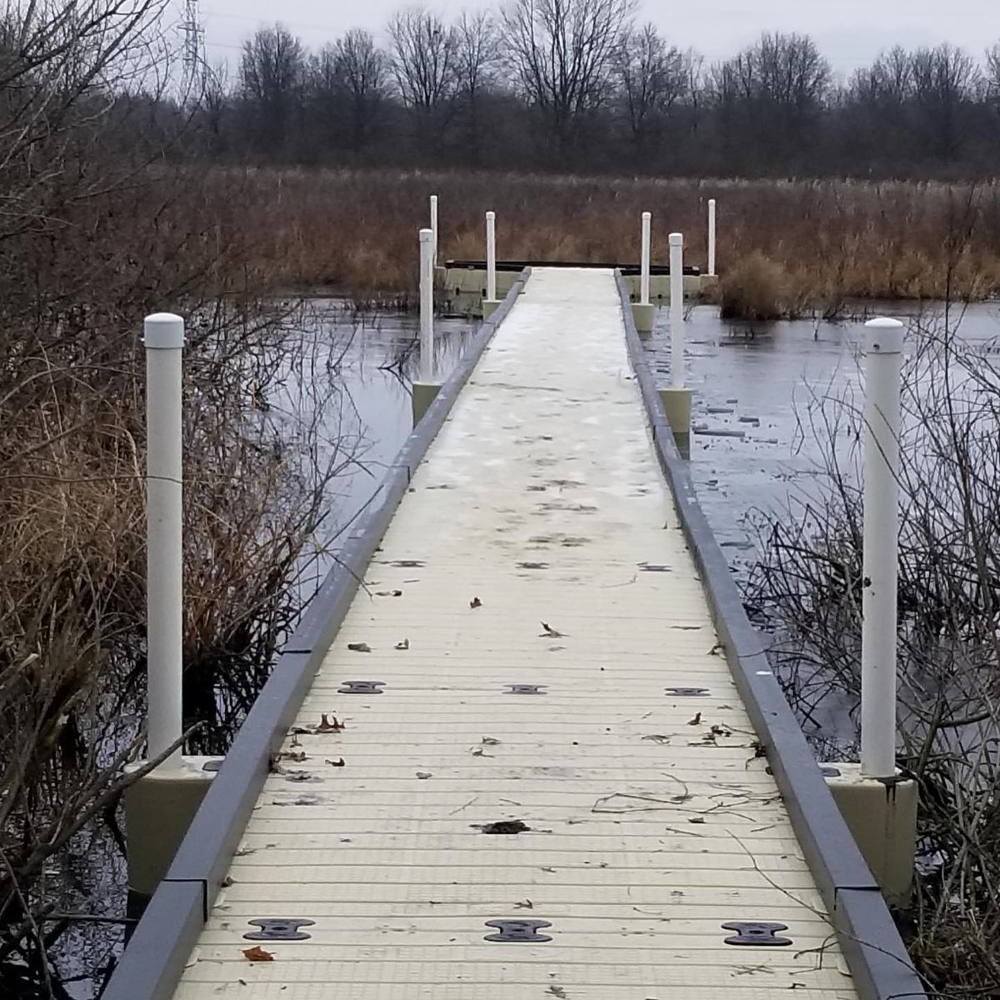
(652,823)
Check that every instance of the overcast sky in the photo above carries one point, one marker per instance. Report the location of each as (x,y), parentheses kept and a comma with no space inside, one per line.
(849,32)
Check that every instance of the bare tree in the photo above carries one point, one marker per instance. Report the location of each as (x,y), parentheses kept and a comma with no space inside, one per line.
(944,81)
(778,86)
(888,81)
(652,79)
(561,53)
(876,108)
(348,87)
(782,71)
(476,60)
(214,100)
(993,71)
(424,57)
(62,64)
(326,114)
(272,75)
(363,72)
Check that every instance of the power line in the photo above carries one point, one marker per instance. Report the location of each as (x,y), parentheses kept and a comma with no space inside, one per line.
(281,20)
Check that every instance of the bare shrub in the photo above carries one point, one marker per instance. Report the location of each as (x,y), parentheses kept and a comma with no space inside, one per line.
(754,288)
(807,590)
(104,234)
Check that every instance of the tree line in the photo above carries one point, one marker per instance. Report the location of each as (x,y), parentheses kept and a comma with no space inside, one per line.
(582,85)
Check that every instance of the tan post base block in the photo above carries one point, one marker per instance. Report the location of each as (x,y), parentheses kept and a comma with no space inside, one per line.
(882,816)
(159,808)
(677,406)
(644,316)
(490,306)
(424,393)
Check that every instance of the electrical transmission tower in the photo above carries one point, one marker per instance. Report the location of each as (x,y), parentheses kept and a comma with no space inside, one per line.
(194,59)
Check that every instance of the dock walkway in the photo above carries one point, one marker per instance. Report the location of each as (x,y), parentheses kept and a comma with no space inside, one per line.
(538,549)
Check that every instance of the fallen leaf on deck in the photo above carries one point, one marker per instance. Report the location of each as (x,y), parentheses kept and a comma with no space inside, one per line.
(475,603)
(359,647)
(525,904)
(405,644)
(257,954)
(503,826)
(489,741)
(550,632)
(339,762)
(326,726)
(388,593)
(696,721)
(423,774)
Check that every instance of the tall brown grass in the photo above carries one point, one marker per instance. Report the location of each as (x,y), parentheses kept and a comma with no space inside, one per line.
(72,517)
(834,240)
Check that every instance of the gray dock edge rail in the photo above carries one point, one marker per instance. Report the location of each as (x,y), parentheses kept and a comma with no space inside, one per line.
(875,953)
(164,938)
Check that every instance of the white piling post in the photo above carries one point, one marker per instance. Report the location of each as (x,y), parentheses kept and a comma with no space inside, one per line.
(491,256)
(426,305)
(677,375)
(711,236)
(164,341)
(644,263)
(883,367)
(434,228)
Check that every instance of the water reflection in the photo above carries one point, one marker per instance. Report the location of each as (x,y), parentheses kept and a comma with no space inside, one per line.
(376,370)
(757,409)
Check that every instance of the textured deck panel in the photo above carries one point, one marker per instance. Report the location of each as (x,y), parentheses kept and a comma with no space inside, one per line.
(538,545)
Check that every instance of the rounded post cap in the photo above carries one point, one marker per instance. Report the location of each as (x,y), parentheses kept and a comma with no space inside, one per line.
(647,215)
(711,201)
(884,335)
(677,239)
(163,332)
(434,197)
(491,215)
(426,235)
